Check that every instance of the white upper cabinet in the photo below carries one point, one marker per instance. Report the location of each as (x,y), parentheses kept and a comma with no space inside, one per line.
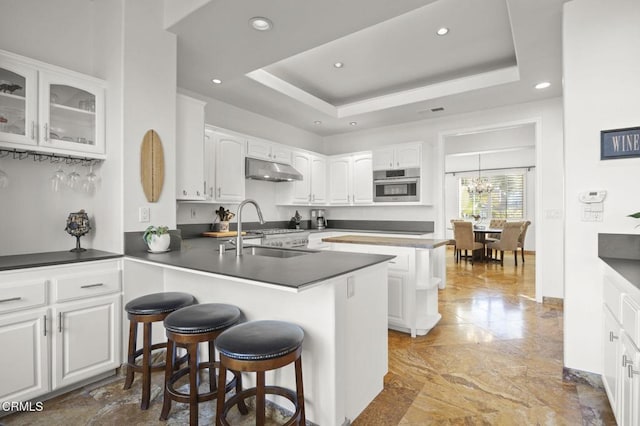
(270,151)
(312,189)
(225,172)
(351,179)
(190,180)
(50,109)
(401,156)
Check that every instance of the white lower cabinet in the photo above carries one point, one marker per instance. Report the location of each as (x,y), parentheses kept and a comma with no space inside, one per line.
(59,326)
(85,342)
(621,356)
(24,359)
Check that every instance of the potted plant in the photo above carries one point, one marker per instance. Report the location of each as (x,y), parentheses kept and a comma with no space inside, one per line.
(157,238)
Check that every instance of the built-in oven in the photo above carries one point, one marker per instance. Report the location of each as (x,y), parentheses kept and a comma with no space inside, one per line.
(396,185)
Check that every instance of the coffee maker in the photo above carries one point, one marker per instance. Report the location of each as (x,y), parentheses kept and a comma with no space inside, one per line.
(318,218)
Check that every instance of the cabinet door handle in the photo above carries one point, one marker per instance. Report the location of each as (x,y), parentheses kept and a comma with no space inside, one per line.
(631,371)
(45,325)
(198,193)
(626,361)
(390,164)
(219,191)
(11,299)
(211,191)
(46,132)
(309,197)
(184,192)
(92,285)
(612,336)
(398,164)
(33,130)
(60,322)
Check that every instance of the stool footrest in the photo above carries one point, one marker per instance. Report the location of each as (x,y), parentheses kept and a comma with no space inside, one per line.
(268,390)
(202,397)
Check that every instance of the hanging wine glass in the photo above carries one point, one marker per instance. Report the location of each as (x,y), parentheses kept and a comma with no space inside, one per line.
(58,179)
(91,180)
(73,179)
(4,179)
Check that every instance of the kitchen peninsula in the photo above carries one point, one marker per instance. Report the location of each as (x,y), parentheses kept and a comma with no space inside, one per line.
(413,284)
(340,300)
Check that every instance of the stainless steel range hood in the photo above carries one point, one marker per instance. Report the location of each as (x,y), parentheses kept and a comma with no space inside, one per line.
(269,170)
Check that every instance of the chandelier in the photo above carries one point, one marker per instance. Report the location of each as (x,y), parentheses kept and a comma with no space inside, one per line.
(479,185)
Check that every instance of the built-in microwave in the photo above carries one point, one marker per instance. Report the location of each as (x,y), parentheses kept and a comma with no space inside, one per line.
(396,185)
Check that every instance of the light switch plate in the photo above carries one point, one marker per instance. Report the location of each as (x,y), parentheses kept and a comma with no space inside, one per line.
(144,214)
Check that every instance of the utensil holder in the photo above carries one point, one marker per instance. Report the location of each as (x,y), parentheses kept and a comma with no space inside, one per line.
(222,226)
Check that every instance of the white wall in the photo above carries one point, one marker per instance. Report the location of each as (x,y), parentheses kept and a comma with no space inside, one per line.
(549,153)
(32,216)
(149,102)
(601,41)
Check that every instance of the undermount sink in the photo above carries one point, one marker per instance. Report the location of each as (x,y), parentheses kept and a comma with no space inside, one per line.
(273,252)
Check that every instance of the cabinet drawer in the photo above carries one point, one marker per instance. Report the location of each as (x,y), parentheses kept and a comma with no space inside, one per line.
(630,318)
(19,295)
(401,261)
(612,297)
(88,284)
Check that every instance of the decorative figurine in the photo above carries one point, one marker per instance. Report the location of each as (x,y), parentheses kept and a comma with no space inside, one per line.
(78,225)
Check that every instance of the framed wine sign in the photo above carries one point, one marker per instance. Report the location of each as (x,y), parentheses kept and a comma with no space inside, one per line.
(620,143)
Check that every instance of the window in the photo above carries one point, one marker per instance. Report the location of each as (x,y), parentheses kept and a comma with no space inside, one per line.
(505,201)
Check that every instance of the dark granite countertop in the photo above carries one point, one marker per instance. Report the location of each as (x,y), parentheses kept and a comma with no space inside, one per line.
(420,243)
(34,260)
(367,231)
(201,254)
(628,268)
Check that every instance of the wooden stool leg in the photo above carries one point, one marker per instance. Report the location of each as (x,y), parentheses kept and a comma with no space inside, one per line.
(212,368)
(166,405)
(193,384)
(300,392)
(222,378)
(242,407)
(133,337)
(260,398)
(146,367)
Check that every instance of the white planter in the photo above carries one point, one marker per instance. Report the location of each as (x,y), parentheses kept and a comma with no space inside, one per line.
(159,243)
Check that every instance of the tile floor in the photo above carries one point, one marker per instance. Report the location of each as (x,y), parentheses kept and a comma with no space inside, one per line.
(495,358)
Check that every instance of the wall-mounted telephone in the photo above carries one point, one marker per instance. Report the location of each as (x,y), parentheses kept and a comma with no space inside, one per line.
(593,208)
(592,197)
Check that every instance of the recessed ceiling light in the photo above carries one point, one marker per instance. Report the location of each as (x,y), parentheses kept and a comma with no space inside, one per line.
(216,81)
(317,122)
(354,123)
(542,85)
(260,23)
(338,65)
(442,31)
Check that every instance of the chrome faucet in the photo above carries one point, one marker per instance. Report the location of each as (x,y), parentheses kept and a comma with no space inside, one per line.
(239,215)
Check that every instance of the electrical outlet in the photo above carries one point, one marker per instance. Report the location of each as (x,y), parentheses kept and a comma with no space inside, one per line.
(144,214)
(193,212)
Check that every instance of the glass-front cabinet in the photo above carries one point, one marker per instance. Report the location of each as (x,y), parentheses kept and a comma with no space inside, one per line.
(49,109)
(69,113)
(18,102)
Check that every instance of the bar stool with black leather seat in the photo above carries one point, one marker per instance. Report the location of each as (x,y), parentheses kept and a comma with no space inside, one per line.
(260,346)
(147,310)
(188,327)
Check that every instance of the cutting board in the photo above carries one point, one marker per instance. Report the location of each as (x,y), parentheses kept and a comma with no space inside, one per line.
(152,166)
(221,234)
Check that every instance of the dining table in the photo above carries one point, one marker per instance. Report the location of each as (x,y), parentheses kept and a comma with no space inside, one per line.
(480,235)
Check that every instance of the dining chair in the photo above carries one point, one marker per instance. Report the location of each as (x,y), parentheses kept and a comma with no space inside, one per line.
(523,234)
(508,240)
(492,238)
(463,235)
(453,242)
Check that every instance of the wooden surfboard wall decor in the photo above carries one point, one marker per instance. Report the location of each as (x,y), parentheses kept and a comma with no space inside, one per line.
(152,166)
